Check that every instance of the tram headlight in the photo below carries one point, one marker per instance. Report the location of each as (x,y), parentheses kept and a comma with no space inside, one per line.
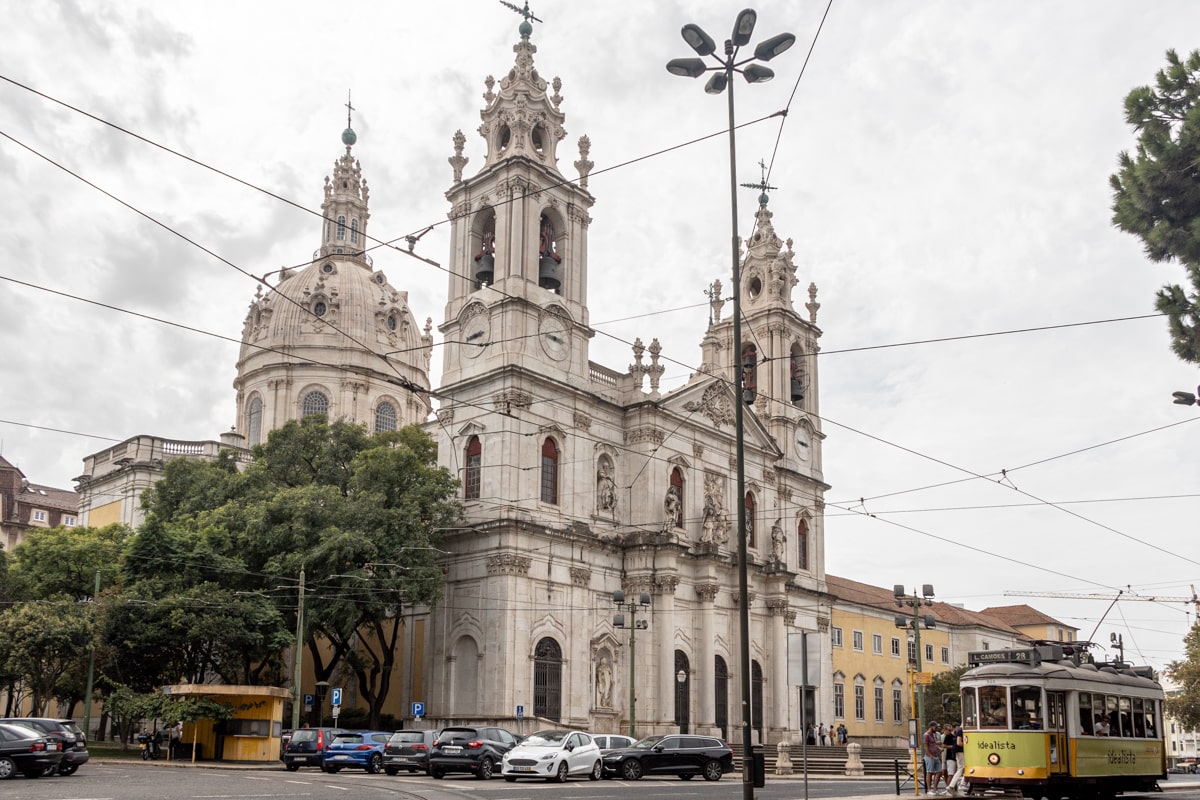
(1020,772)
(993,758)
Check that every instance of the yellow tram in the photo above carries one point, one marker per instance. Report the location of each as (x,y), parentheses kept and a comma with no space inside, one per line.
(1046,721)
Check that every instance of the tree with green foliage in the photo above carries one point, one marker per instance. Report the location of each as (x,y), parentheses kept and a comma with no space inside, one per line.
(1184,704)
(942,699)
(41,641)
(1156,192)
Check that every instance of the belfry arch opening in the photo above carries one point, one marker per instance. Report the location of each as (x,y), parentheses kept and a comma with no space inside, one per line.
(483,236)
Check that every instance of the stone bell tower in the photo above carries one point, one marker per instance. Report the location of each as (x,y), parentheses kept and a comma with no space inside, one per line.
(518,282)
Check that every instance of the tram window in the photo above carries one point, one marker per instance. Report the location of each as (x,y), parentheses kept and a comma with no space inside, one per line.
(1126,718)
(1085,714)
(1112,715)
(1027,707)
(970,719)
(1139,718)
(993,706)
(1151,716)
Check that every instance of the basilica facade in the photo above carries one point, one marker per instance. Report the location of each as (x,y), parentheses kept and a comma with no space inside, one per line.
(594,583)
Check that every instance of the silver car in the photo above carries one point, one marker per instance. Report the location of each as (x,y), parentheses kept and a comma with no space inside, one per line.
(553,755)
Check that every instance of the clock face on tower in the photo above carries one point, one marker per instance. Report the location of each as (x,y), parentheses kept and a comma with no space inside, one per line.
(552,331)
(477,334)
(802,444)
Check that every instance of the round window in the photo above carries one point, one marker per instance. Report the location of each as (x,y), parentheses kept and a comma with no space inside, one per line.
(319,309)
(755,286)
(327,269)
(380,279)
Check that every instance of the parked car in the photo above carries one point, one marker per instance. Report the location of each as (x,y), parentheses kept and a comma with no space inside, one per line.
(28,751)
(477,750)
(552,755)
(74,742)
(360,749)
(307,747)
(408,750)
(612,741)
(672,754)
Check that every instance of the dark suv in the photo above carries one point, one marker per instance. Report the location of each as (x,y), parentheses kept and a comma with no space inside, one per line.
(74,742)
(476,750)
(307,747)
(673,754)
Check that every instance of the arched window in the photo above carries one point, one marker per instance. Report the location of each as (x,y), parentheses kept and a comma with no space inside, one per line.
(677,485)
(549,473)
(314,403)
(547,679)
(683,691)
(474,461)
(721,692)
(254,421)
(385,417)
(802,544)
(354,231)
(341,230)
(756,698)
(750,519)
(799,380)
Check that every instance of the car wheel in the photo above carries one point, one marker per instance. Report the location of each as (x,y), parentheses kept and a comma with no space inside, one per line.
(712,770)
(597,771)
(437,773)
(510,779)
(8,767)
(292,767)
(67,769)
(392,770)
(486,770)
(631,770)
(687,776)
(375,764)
(562,773)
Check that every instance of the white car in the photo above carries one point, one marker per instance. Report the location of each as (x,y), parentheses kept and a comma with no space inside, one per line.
(553,755)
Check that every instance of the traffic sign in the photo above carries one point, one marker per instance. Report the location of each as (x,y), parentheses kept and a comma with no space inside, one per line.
(922,678)
(335,698)
(309,699)
(418,709)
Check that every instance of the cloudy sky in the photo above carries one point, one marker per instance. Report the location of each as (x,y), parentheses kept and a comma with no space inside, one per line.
(943,171)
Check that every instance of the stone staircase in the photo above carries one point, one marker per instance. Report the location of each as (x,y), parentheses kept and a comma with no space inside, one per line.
(877,761)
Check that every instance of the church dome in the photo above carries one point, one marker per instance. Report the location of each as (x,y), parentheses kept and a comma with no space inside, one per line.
(334,336)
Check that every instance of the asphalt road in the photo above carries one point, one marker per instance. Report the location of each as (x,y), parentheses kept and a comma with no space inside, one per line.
(138,781)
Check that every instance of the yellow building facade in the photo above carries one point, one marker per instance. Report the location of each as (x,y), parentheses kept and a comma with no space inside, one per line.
(872,695)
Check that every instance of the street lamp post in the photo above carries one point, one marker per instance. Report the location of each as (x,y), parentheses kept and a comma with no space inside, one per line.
(722,79)
(618,598)
(915,601)
(321,687)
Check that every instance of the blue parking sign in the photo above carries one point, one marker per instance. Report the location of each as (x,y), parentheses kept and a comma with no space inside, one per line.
(309,699)
(418,709)
(335,696)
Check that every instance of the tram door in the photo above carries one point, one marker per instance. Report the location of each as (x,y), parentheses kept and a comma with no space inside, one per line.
(1056,726)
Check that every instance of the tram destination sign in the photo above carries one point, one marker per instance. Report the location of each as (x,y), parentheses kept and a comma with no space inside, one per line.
(1026,656)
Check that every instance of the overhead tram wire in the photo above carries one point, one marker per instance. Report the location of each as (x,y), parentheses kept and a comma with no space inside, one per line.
(402,381)
(651,456)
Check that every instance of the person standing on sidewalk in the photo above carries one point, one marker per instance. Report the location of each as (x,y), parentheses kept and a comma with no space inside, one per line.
(932,747)
(957,773)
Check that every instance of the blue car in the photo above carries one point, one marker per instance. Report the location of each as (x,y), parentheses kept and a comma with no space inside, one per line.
(357,749)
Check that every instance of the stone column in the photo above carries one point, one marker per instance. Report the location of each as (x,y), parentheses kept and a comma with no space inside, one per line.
(775,707)
(705,669)
(664,640)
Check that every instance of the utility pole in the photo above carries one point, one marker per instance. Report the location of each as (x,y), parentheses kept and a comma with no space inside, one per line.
(915,601)
(618,597)
(296,659)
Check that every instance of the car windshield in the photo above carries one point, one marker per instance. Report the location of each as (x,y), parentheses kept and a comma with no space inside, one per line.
(545,739)
(648,742)
(409,736)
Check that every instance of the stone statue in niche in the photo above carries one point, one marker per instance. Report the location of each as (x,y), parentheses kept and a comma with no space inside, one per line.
(778,542)
(606,489)
(715,529)
(604,682)
(671,508)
